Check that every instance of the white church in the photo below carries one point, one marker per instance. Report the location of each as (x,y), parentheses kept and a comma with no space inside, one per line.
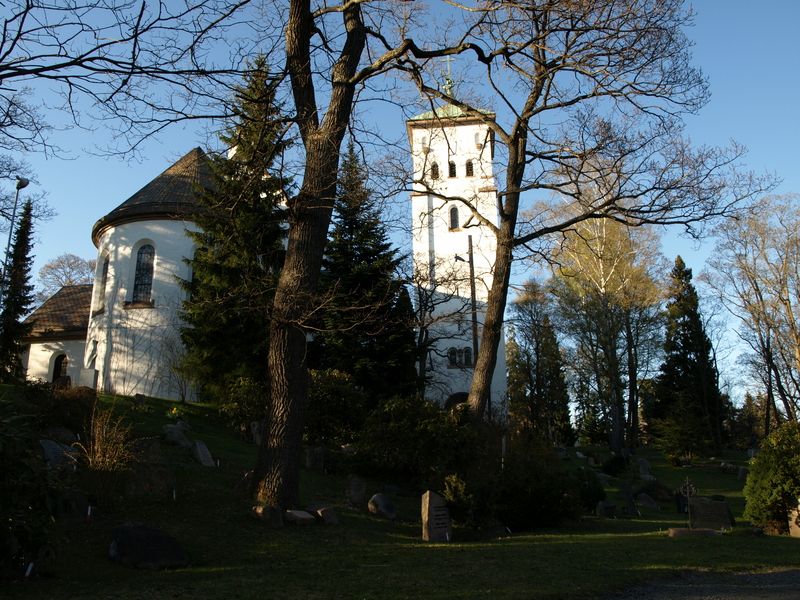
(121,334)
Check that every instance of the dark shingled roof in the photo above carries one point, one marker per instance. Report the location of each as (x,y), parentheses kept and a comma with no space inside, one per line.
(169,196)
(64,315)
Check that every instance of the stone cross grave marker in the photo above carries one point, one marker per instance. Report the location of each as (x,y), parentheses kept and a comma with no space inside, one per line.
(436,523)
(201,455)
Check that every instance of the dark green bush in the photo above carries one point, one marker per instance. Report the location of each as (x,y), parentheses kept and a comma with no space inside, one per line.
(615,465)
(27,492)
(773,485)
(246,401)
(70,408)
(336,409)
(415,440)
(531,490)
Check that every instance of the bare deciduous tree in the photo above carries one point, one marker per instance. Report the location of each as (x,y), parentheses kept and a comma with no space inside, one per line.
(66,269)
(755,268)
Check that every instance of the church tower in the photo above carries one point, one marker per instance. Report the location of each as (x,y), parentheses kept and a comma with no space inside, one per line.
(454,206)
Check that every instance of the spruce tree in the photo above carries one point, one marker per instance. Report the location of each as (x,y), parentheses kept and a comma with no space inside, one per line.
(689,408)
(240,247)
(367,317)
(17,300)
(538,398)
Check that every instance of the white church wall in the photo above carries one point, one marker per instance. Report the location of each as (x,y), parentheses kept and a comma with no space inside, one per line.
(131,345)
(39,360)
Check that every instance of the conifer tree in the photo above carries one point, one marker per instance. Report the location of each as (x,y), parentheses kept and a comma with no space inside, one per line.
(688,408)
(367,323)
(17,300)
(239,244)
(538,398)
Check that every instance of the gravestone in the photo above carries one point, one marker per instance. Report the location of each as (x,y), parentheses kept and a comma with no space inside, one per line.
(752,452)
(61,435)
(627,497)
(644,466)
(139,399)
(142,547)
(256,428)
(58,454)
(380,505)
(646,501)
(315,459)
(709,514)
(561,452)
(743,473)
(590,461)
(324,514)
(150,474)
(580,455)
(436,523)
(356,489)
(272,515)
(606,510)
(299,517)
(174,436)
(647,478)
(728,468)
(184,426)
(201,455)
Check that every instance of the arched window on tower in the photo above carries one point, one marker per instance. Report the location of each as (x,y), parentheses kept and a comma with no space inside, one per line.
(451,169)
(435,171)
(470,169)
(467,357)
(452,357)
(454,221)
(143,280)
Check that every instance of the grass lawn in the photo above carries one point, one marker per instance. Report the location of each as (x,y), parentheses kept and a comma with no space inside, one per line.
(364,557)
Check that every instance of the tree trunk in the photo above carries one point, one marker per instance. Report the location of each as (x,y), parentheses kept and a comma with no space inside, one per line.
(276,477)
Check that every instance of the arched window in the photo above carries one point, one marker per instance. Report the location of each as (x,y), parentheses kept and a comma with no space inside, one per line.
(478,141)
(470,169)
(451,169)
(467,357)
(452,357)
(101,294)
(454,224)
(143,280)
(435,171)
(60,366)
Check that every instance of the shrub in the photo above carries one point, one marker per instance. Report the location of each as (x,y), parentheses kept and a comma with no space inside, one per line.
(247,401)
(336,409)
(416,440)
(615,465)
(27,492)
(70,408)
(530,489)
(106,452)
(773,485)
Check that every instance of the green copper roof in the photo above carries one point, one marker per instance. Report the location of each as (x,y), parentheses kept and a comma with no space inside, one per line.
(448,111)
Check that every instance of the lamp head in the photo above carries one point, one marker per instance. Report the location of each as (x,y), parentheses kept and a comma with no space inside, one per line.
(22,182)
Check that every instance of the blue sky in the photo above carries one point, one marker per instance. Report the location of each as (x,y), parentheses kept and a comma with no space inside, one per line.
(749,55)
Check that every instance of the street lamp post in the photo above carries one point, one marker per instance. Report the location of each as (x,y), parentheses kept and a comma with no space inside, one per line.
(21,183)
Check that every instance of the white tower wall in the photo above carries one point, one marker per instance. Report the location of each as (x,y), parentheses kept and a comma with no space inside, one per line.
(454,199)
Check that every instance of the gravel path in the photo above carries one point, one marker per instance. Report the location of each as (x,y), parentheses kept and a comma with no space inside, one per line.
(778,585)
